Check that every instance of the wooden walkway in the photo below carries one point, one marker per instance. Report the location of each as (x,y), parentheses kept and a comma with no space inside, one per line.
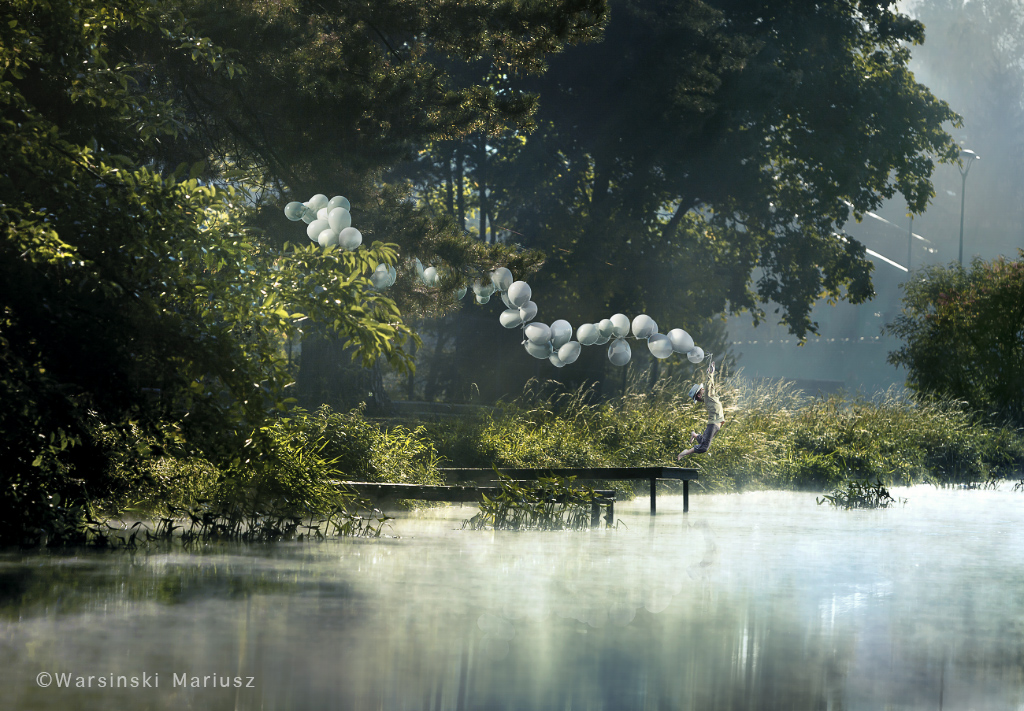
(650,474)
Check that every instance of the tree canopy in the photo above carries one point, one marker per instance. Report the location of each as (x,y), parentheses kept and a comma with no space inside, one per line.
(701,140)
(137,291)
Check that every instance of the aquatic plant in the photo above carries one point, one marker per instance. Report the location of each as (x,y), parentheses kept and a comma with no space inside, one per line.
(860,494)
(549,504)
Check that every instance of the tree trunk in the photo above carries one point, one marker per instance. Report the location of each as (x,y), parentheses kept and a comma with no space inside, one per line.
(482,187)
(380,403)
(460,197)
(436,367)
(449,179)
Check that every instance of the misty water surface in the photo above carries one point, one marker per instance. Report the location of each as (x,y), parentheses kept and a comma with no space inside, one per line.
(753,601)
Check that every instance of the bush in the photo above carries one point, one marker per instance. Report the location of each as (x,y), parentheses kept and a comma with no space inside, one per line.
(361,450)
(962,335)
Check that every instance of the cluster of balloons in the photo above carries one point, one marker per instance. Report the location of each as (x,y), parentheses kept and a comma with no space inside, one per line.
(329,223)
(555,341)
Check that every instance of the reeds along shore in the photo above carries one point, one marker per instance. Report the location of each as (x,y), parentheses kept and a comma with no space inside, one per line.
(775,437)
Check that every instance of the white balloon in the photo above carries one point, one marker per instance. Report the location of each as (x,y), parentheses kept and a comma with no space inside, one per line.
(621,323)
(308,214)
(393,276)
(482,299)
(606,327)
(602,340)
(481,288)
(381,277)
(501,278)
(460,292)
(587,334)
(430,276)
(323,213)
(340,218)
(418,266)
(681,340)
(696,355)
(519,293)
(659,345)
(507,301)
(556,361)
(318,201)
(339,201)
(569,352)
(316,227)
(644,326)
(350,238)
(510,318)
(619,352)
(527,311)
(327,238)
(294,211)
(561,333)
(538,333)
(538,350)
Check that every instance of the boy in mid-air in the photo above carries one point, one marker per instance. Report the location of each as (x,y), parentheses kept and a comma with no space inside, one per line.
(716,417)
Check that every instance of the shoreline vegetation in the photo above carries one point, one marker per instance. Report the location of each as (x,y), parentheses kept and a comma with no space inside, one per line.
(775,437)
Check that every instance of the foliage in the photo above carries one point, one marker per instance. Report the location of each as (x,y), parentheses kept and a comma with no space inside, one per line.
(138,155)
(860,494)
(549,504)
(774,437)
(700,140)
(288,489)
(361,450)
(962,335)
(336,93)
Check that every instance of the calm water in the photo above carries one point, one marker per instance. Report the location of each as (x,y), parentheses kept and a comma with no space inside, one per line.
(752,601)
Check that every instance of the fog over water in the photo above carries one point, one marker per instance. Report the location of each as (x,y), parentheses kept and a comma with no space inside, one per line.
(750,601)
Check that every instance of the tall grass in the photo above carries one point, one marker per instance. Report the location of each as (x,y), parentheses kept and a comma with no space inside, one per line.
(775,436)
(289,488)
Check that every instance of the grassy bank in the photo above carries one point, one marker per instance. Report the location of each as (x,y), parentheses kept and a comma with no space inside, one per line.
(775,437)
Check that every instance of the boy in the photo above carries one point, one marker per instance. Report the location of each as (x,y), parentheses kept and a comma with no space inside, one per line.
(716,417)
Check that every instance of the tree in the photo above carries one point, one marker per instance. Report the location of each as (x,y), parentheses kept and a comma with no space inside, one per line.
(139,295)
(963,333)
(772,122)
(337,93)
(132,299)
(704,157)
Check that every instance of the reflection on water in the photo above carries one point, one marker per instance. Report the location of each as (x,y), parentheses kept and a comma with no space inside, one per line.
(754,601)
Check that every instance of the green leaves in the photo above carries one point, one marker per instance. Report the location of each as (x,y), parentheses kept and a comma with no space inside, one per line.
(963,334)
(131,297)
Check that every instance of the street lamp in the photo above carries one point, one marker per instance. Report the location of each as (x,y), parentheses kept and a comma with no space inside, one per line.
(965,167)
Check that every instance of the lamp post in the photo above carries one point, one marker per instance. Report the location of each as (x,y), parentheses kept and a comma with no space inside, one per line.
(965,167)
(910,237)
